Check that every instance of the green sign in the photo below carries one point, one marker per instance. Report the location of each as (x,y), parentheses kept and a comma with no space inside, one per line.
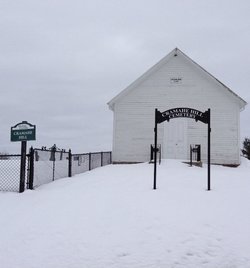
(23,131)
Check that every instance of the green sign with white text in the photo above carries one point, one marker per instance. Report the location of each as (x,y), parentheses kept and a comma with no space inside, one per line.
(23,131)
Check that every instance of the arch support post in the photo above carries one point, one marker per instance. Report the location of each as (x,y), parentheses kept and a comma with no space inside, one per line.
(208,150)
(155,150)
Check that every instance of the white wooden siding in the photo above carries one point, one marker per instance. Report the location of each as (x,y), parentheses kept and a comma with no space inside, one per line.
(134,113)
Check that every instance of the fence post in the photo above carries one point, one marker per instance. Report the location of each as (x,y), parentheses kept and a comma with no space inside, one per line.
(191,156)
(70,163)
(101,159)
(89,161)
(31,168)
(199,153)
(53,158)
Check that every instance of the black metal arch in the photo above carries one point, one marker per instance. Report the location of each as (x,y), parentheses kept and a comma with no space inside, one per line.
(183,112)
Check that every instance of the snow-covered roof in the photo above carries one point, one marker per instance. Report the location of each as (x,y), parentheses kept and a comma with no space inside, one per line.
(158,65)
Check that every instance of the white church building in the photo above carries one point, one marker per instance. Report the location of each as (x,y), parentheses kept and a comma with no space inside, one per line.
(176,81)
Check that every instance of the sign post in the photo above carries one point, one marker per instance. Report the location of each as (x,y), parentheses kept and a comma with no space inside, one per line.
(23,166)
(191,113)
(23,132)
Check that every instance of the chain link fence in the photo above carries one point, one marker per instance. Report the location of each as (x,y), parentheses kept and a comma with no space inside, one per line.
(84,162)
(80,163)
(47,165)
(50,165)
(107,158)
(10,172)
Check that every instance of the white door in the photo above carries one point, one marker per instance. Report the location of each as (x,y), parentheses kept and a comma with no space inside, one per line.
(175,139)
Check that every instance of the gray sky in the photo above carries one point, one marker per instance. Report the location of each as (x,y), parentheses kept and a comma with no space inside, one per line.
(63,60)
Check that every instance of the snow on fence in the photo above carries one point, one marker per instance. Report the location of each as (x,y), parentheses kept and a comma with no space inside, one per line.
(47,165)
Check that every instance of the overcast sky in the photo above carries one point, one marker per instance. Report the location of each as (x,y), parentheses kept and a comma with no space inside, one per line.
(63,60)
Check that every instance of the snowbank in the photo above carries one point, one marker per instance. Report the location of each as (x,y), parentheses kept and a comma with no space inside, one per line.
(111,217)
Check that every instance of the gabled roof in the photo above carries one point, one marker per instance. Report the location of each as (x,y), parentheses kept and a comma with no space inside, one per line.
(157,66)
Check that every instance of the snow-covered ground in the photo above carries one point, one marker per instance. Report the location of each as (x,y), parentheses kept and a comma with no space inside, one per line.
(111,217)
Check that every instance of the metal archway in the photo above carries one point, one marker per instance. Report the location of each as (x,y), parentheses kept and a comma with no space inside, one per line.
(191,113)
